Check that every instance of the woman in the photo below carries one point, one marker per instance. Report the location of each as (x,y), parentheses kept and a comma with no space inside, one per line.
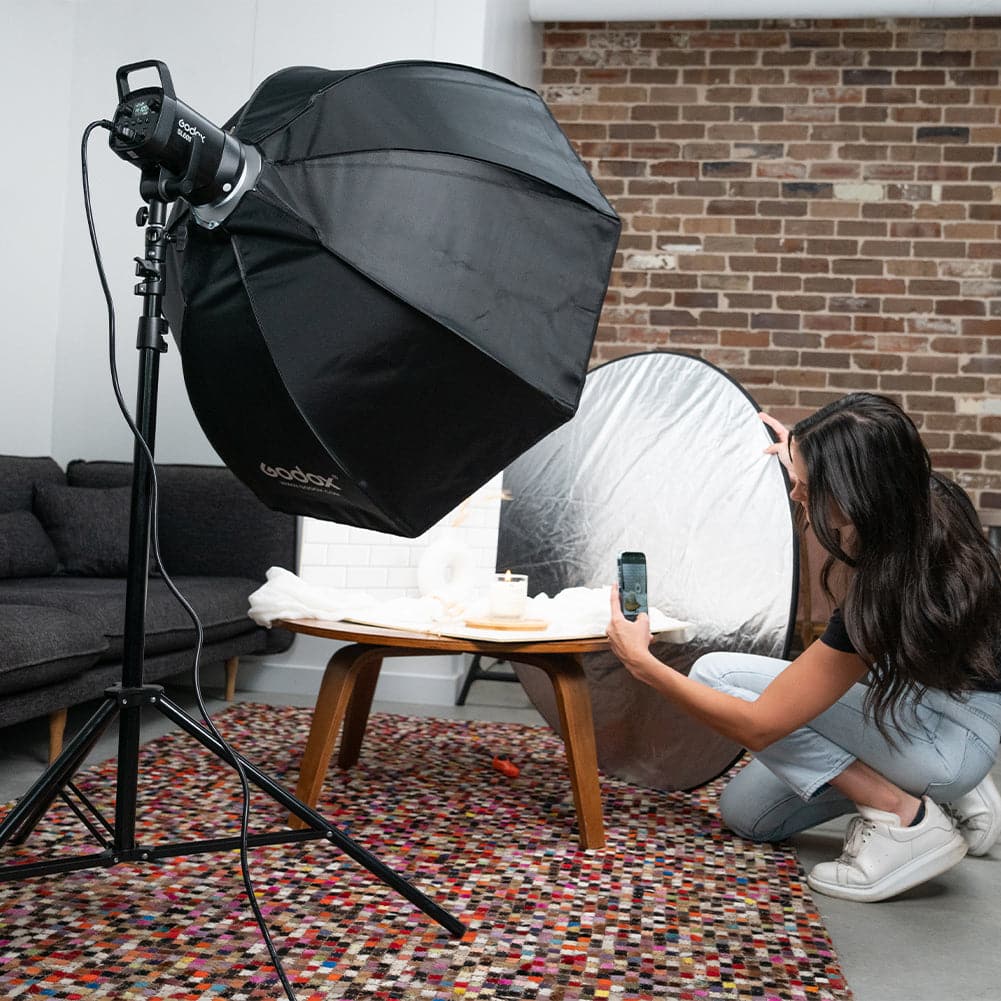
(895,712)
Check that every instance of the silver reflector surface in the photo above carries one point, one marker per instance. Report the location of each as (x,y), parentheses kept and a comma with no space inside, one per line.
(665,456)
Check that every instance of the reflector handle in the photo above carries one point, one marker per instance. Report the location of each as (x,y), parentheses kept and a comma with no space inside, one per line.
(122,77)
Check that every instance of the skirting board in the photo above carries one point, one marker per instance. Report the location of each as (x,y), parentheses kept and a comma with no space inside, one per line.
(431,680)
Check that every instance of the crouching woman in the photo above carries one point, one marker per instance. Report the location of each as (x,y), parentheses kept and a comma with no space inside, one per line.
(895,712)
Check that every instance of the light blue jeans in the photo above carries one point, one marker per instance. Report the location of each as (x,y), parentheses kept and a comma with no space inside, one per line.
(945,746)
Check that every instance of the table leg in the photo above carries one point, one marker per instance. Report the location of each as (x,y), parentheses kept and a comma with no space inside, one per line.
(573,698)
(356,718)
(345,694)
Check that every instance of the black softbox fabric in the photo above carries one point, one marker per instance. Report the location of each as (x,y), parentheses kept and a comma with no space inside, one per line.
(404,302)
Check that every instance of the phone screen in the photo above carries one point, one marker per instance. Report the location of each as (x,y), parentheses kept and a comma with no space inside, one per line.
(632,584)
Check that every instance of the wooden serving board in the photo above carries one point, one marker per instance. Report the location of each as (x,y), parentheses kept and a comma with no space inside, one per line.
(518,625)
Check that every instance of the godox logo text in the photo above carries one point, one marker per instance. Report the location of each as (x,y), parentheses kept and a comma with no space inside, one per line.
(296,475)
(187,131)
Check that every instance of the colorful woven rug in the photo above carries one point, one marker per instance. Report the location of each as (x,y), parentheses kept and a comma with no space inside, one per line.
(673,907)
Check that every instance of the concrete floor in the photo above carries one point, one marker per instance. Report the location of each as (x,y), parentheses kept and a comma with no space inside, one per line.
(936,942)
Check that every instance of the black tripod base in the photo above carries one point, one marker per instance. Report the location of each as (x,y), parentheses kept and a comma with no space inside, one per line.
(476,672)
(118,846)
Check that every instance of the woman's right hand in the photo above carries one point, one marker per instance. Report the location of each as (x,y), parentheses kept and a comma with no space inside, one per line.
(630,640)
(780,447)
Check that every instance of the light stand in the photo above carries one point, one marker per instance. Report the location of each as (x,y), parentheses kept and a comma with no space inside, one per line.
(126,700)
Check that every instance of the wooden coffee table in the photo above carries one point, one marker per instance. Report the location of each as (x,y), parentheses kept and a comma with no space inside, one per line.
(349,682)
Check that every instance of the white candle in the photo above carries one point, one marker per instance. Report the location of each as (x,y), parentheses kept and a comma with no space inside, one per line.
(509,596)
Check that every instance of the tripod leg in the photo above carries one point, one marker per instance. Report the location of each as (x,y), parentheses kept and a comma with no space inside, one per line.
(31,807)
(313,819)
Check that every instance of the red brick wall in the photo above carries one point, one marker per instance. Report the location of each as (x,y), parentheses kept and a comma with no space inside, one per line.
(814,206)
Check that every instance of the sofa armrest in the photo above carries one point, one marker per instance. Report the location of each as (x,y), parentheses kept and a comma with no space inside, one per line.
(210,523)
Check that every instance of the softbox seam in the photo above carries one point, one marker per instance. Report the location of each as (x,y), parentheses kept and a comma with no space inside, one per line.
(343,465)
(610,214)
(281,204)
(351,74)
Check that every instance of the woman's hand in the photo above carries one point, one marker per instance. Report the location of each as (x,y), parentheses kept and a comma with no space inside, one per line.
(780,447)
(630,641)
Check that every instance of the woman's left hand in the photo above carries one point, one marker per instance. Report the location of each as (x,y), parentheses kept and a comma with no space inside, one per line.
(780,447)
(630,641)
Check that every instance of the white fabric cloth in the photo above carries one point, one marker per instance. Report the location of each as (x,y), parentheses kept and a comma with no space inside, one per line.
(574,612)
(583,611)
(285,595)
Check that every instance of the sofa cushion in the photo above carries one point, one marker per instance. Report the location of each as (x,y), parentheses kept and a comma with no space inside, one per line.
(25,549)
(42,645)
(210,523)
(221,603)
(89,528)
(18,476)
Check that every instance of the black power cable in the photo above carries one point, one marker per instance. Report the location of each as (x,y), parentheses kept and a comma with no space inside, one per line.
(228,752)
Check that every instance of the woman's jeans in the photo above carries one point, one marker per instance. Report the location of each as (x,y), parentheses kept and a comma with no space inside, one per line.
(945,746)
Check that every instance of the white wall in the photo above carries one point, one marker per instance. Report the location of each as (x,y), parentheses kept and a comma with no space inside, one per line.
(729,10)
(57,66)
(54,385)
(36,61)
(512,44)
(212,71)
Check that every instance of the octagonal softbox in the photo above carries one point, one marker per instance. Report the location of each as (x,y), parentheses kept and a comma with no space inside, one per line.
(403,302)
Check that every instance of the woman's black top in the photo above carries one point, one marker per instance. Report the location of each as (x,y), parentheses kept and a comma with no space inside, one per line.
(836,637)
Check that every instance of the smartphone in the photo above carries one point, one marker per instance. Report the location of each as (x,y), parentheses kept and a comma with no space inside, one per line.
(632,584)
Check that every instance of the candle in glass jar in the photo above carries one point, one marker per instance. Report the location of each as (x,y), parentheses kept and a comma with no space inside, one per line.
(509,596)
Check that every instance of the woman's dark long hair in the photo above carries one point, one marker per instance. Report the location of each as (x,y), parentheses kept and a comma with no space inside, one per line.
(922,590)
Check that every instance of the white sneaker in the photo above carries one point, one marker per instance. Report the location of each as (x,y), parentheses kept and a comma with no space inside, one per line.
(978,816)
(881,859)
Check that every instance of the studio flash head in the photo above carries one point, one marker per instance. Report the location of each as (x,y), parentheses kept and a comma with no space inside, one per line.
(189,156)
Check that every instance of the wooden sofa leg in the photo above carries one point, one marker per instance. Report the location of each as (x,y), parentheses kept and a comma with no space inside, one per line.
(57,727)
(231,665)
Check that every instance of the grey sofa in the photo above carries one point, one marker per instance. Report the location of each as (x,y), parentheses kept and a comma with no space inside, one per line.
(63,552)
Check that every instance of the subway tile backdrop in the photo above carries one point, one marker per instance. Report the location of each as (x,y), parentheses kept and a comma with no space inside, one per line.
(385,565)
(814,206)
